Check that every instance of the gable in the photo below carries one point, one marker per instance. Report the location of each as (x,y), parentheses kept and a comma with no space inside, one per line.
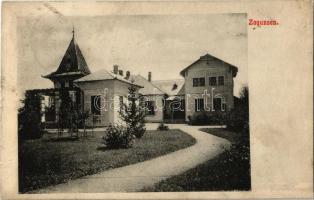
(207,61)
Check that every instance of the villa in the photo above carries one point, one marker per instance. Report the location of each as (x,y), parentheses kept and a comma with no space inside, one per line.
(206,85)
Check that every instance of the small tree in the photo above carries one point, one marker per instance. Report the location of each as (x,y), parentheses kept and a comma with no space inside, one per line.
(133,113)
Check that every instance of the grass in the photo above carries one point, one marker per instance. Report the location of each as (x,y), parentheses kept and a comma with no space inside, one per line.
(228,171)
(49,161)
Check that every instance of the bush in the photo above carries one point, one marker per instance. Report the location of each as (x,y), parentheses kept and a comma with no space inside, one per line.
(208,118)
(162,127)
(118,137)
(137,130)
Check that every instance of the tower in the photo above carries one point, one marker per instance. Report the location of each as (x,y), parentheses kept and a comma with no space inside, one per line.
(72,67)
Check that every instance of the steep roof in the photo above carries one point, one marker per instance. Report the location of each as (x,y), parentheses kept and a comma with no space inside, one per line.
(148,87)
(73,62)
(171,87)
(105,75)
(207,57)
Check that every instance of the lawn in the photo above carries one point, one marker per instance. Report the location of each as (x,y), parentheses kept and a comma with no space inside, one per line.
(228,171)
(48,161)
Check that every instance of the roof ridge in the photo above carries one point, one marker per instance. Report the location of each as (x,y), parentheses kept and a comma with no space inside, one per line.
(177,79)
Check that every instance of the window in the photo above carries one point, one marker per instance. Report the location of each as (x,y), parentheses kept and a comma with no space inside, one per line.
(195,82)
(95,105)
(199,105)
(221,80)
(198,82)
(150,108)
(212,81)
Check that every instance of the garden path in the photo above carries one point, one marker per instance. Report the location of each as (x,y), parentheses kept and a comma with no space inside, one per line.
(134,177)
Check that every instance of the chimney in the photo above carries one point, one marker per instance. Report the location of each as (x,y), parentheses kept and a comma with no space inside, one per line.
(127,75)
(115,69)
(121,72)
(149,76)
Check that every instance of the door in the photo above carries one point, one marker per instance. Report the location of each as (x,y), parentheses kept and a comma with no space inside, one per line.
(217,104)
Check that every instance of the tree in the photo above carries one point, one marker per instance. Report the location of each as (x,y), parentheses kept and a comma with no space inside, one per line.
(69,114)
(29,117)
(132,113)
(238,119)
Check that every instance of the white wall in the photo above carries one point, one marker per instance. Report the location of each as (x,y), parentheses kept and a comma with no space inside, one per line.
(206,70)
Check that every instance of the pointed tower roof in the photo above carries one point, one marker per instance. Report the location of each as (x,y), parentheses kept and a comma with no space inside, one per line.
(72,63)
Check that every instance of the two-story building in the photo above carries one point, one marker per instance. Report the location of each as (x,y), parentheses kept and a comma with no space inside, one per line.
(208,85)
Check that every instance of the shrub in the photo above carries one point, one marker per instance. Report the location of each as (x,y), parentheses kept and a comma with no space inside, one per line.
(118,137)
(208,118)
(162,127)
(137,130)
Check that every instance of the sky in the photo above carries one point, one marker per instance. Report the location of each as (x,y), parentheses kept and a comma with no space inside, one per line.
(162,44)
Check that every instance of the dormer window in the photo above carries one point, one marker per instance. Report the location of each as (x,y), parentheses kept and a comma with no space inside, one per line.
(174,87)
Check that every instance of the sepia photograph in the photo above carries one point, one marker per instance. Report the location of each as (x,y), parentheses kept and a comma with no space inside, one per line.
(156,100)
(138,103)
